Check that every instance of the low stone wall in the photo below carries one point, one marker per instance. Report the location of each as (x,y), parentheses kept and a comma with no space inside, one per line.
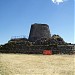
(38,49)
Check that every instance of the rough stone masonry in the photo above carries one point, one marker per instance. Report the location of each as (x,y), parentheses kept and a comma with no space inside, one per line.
(39,31)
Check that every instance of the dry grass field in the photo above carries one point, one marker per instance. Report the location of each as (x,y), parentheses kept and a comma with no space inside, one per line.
(23,64)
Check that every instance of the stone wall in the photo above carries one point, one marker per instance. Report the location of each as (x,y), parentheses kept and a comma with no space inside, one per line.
(39,31)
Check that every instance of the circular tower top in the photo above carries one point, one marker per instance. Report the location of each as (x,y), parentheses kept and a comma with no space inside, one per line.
(39,31)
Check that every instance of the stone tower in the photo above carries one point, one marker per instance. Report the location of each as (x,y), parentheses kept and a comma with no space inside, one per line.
(39,31)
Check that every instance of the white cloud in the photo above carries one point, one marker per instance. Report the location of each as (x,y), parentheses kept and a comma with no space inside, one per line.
(58,1)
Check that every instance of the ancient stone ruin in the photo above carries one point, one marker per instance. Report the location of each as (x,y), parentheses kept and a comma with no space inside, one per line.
(39,31)
(39,40)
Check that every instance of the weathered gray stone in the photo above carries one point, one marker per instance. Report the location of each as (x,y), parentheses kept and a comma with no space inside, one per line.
(39,31)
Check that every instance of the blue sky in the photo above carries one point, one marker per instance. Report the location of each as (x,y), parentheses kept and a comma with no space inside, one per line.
(16,17)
